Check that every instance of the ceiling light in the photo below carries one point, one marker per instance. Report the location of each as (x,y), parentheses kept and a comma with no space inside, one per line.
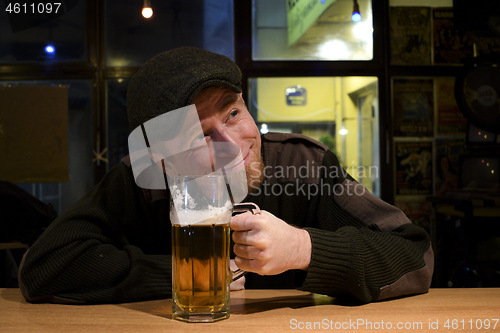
(147,11)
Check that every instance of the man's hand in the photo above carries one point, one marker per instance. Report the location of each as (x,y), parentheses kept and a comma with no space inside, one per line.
(266,245)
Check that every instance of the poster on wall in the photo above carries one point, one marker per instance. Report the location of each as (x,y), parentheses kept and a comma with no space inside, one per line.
(410,35)
(450,45)
(450,120)
(413,102)
(486,44)
(413,168)
(417,209)
(446,172)
(33,145)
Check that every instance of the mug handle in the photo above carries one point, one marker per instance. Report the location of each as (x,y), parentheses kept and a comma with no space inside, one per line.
(240,208)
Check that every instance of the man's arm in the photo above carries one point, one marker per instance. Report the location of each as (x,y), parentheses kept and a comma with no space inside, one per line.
(386,255)
(85,255)
(359,245)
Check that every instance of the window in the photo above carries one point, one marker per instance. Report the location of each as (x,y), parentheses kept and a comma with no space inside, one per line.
(340,112)
(67,35)
(311,30)
(131,39)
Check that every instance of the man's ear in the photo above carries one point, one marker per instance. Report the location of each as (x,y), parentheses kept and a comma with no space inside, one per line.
(241,96)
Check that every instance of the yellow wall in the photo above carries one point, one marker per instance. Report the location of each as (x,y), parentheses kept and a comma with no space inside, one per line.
(271,100)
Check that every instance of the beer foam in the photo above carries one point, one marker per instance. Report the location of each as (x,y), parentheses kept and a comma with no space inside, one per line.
(204,217)
(190,215)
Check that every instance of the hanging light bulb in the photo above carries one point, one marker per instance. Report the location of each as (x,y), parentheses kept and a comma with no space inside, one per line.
(356,15)
(50,49)
(147,11)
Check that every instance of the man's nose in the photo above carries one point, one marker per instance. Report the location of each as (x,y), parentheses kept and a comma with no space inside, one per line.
(221,134)
(223,148)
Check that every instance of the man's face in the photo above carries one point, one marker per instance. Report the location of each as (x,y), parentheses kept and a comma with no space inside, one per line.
(225,118)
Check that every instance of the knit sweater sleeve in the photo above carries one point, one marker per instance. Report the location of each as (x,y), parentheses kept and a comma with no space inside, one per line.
(85,255)
(363,246)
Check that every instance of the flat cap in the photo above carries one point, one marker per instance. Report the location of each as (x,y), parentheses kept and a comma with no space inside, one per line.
(172,79)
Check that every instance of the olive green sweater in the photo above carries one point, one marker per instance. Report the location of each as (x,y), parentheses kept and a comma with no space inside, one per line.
(114,244)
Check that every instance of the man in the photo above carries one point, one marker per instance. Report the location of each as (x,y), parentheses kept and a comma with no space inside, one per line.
(320,231)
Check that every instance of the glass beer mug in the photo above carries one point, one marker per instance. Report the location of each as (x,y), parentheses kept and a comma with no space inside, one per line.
(201,210)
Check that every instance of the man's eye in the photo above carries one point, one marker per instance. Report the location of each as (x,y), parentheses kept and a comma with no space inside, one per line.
(233,114)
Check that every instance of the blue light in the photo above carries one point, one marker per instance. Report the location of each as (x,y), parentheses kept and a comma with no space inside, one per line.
(356,17)
(50,49)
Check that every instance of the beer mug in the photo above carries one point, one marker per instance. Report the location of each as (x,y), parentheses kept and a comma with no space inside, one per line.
(200,213)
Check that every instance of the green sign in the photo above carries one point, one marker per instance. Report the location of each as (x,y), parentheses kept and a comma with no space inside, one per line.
(301,15)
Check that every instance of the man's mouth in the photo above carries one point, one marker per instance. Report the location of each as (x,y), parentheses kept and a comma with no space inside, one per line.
(239,164)
(246,159)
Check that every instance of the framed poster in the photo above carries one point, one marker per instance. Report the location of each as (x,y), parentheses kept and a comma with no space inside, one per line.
(413,167)
(413,103)
(446,171)
(410,35)
(450,45)
(449,119)
(417,209)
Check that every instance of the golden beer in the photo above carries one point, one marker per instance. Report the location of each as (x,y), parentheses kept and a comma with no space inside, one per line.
(200,271)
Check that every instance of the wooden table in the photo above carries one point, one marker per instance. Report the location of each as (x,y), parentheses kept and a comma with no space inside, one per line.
(13,245)
(266,311)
